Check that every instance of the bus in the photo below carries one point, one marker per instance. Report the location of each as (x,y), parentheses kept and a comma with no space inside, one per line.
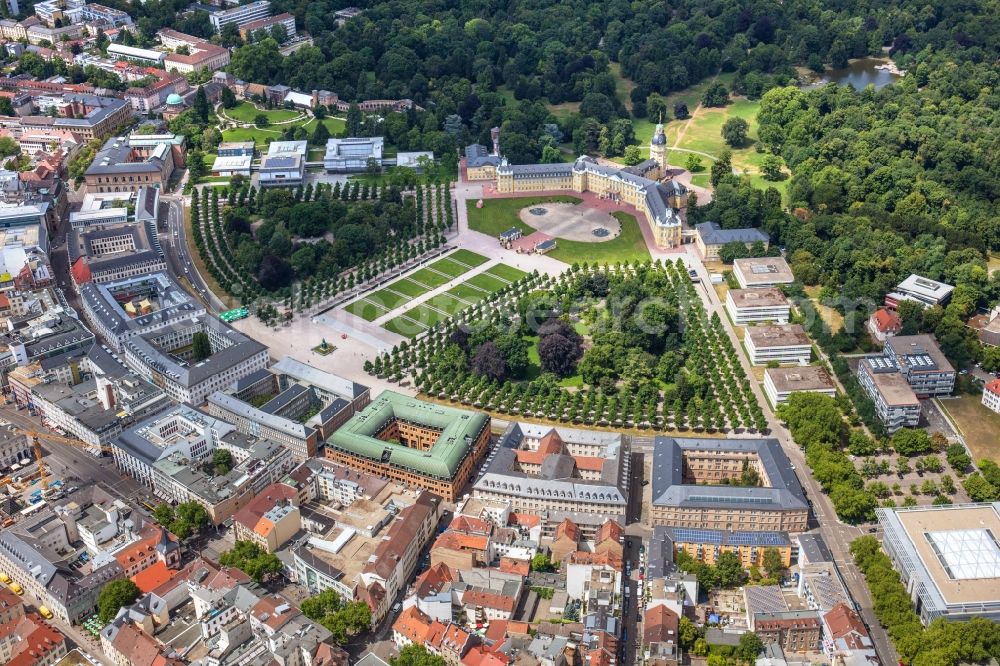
(236,314)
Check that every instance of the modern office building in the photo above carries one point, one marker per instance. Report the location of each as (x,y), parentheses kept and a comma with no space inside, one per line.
(252,29)
(920,290)
(762,272)
(352,153)
(418,443)
(948,558)
(782,344)
(240,15)
(688,490)
(163,357)
(923,364)
(895,402)
(780,383)
(140,305)
(747,306)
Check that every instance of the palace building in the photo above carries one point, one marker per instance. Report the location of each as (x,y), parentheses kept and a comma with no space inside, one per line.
(637,186)
(417,443)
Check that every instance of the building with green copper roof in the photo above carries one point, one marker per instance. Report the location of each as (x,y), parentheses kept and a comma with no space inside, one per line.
(416,442)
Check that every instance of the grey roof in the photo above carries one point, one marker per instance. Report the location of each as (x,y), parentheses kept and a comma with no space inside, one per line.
(478,155)
(248,411)
(101,108)
(175,303)
(534,170)
(325,381)
(813,548)
(331,410)
(147,203)
(712,234)
(669,488)
(239,349)
(660,554)
(280,401)
(556,481)
(251,379)
(114,158)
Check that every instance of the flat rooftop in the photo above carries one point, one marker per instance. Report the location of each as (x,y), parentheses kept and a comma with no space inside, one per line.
(789,335)
(806,378)
(894,388)
(771,297)
(958,548)
(764,270)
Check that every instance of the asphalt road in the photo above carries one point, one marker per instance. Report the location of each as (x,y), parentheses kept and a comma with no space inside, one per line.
(175,250)
(837,535)
(74,465)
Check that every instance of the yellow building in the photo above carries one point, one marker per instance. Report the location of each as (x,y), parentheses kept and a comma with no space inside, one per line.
(480,164)
(707,545)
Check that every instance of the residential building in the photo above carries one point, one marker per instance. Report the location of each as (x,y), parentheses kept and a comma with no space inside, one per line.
(895,402)
(352,154)
(124,165)
(788,343)
(710,237)
(707,545)
(883,324)
(781,383)
(660,635)
(794,631)
(240,15)
(271,519)
(253,28)
(687,489)
(234,356)
(258,464)
(991,395)
(544,471)
(747,306)
(923,364)
(846,637)
(126,308)
(422,444)
(920,290)
(762,272)
(31,641)
(947,557)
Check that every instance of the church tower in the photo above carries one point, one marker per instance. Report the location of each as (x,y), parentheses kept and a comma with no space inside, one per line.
(658,148)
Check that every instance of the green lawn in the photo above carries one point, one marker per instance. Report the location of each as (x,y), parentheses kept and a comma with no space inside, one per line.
(467,293)
(388,300)
(366,310)
(404,327)
(487,282)
(507,273)
(405,286)
(449,267)
(629,246)
(258,136)
(428,277)
(498,215)
(446,302)
(468,257)
(247,111)
(425,316)
(623,86)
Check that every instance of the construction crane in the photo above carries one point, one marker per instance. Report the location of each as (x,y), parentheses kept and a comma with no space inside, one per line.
(35,436)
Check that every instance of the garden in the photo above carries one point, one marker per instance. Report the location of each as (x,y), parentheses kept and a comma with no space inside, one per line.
(627,345)
(311,246)
(498,215)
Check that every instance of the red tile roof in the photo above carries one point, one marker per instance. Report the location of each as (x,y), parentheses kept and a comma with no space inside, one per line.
(609,530)
(433,580)
(526,520)
(993,386)
(567,528)
(37,640)
(887,321)
(845,623)
(515,566)
(154,576)
(470,525)
(251,515)
(485,599)
(413,625)
(660,624)
(551,443)
(81,271)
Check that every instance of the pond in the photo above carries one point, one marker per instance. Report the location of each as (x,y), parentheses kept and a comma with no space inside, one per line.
(861,73)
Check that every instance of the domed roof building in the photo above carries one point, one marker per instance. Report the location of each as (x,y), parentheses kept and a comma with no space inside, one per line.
(174,106)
